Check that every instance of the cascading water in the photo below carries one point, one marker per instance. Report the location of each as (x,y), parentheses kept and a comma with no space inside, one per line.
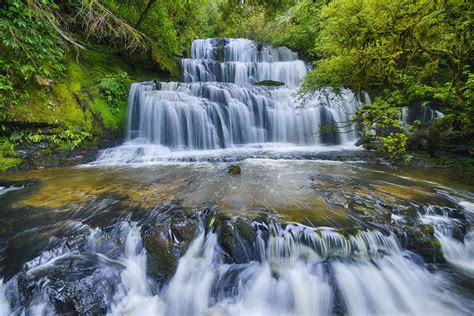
(295,270)
(219,107)
(459,253)
(100,256)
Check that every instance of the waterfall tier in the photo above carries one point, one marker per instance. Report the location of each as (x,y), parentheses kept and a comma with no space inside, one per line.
(222,115)
(241,61)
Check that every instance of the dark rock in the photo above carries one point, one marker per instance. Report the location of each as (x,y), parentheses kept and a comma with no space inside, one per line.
(166,242)
(363,140)
(236,238)
(421,240)
(161,261)
(269,83)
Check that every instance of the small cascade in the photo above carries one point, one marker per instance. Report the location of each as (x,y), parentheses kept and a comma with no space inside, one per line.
(458,252)
(306,271)
(291,269)
(219,107)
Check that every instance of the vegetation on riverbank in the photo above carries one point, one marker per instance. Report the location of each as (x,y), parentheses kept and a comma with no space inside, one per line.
(66,66)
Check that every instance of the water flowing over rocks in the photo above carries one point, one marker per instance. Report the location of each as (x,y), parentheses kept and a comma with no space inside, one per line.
(228,264)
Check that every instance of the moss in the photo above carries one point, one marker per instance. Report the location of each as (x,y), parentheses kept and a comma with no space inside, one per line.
(245,230)
(421,240)
(234,170)
(161,262)
(7,155)
(7,163)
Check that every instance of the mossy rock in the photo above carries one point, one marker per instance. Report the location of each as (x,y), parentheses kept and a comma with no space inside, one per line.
(269,83)
(161,262)
(234,170)
(421,240)
(236,238)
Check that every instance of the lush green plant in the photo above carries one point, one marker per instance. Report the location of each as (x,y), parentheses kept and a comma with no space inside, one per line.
(407,53)
(58,139)
(115,88)
(8,157)
(31,50)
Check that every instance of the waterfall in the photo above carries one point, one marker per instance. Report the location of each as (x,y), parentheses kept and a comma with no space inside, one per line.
(459,253)
(299,271)
(217,106)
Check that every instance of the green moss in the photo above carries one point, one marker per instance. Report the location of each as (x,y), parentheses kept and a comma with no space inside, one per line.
(161,262)
(421,240)
(245,230)
(7,163)
(7,155)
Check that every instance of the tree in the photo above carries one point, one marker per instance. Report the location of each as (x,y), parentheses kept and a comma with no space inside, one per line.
(405,53)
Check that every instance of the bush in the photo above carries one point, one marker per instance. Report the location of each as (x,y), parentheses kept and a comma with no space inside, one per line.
(115,88)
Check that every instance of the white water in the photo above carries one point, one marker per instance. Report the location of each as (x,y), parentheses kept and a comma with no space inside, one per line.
(133,296)
(4,305)
(5,190)
(460,254)
(217,107)
(240,61)
(301,271)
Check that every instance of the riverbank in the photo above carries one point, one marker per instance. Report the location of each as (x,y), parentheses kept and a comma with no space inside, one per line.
(66,121)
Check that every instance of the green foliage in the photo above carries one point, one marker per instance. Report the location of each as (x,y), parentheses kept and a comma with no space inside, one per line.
(407,53)
(58,139)
(255,19)
(8,158)
(170,25)
(30,50)
(298,27)
(115,87)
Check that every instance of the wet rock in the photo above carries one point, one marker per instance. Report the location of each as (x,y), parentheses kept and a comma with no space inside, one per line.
(89,296)
(421,240)
(167,241)
(161,261)
(234,170)
(269,83)
(236,237)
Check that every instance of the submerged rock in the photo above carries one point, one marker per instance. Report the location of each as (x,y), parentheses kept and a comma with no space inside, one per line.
(234,170)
